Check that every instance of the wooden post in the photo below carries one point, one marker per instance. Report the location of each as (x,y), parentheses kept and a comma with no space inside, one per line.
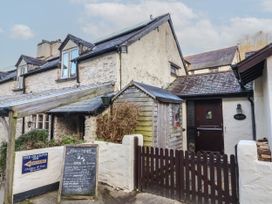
(10,159)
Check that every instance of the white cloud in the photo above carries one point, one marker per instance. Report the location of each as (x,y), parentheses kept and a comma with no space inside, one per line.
(267,5)
(196,32)
(20,31)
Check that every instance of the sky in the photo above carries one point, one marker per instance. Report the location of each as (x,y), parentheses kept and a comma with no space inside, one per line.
(200,25)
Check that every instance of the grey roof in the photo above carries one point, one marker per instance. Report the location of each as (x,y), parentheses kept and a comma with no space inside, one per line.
(30,60)
(11,75)
(211,84)
(212,59)
(15,100)
(156,93)
(53,63)
(91,106)
(77,41)
(127,37)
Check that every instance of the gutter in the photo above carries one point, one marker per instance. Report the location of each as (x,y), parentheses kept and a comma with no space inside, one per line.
(253,117)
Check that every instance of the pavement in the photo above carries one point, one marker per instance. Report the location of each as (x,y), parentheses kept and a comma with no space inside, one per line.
(106,195)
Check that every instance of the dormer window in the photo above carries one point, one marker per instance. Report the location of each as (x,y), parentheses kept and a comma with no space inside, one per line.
(68,67)
(20,79)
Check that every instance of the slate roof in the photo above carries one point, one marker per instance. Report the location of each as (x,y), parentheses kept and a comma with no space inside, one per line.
(210,84)
(156,93)
(211,59)
(11,75)
(53,63)
(91,106)
(30,60)
(127,37)
(77,41)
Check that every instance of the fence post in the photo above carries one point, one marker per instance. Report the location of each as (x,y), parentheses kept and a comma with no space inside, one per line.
(136,143)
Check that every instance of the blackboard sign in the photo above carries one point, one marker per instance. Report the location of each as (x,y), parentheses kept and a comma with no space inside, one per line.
(34,162)
(79,179)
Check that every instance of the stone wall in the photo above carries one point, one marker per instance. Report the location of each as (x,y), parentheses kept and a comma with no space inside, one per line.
(90,129)
(148,58)
(7,88)
(255,177)
(99,69)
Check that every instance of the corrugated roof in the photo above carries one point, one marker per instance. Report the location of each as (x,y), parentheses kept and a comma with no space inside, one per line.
(156,93)
(91,106)
(211,84)
(211,59)
(16,100)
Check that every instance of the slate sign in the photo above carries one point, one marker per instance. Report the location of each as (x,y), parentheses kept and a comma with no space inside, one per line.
(79,171)
(35,162)
(239,116)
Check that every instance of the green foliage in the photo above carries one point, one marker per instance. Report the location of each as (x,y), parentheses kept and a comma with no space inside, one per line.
(34,139)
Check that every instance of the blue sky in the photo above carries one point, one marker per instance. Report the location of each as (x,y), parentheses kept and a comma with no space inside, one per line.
(200,24)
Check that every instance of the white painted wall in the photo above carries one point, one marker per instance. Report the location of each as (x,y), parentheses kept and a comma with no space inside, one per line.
(28,181)
(236,130)
(116,166)
(263,102)
(116,162)
(255,177)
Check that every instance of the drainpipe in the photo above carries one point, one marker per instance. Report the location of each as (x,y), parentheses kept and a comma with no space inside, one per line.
(120,69)
(253,117)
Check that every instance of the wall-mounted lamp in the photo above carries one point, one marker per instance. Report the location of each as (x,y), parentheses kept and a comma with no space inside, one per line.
(29,124)
(239,109)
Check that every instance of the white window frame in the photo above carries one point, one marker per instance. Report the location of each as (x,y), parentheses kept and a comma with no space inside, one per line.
(20,79)
(69,51)
(35,121)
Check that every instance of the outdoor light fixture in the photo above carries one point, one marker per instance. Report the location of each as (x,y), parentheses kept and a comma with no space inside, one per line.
(239,109)
(29,124)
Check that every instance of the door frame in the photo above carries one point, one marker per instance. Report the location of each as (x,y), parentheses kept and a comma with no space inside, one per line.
(190,120)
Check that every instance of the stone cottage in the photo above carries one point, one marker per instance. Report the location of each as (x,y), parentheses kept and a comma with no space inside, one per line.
(213,61)
(148,53)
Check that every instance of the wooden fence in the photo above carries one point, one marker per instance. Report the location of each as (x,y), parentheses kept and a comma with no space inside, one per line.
(188,177)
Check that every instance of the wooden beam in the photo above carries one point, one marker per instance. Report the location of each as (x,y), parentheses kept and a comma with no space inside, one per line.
(10,159)
(48,103)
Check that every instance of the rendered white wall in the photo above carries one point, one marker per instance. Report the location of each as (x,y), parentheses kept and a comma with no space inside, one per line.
(116,166)
(263,102)
(255,177)
(236,130)
(116,162)
(29,181)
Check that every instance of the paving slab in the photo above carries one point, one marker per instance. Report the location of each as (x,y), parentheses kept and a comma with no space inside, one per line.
(106,195)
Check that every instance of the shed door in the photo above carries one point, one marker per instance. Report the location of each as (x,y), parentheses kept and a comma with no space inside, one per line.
(163,124)
(209,125)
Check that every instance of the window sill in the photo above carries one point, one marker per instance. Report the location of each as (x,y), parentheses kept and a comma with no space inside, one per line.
(66,79)
(17,89)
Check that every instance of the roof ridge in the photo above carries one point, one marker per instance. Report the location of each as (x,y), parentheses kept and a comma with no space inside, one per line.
(139,27)
(206,52)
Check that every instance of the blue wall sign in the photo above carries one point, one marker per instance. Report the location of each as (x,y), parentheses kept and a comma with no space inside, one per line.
(35,162)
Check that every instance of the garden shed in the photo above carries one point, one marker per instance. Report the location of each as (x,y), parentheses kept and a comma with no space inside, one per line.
(159,114)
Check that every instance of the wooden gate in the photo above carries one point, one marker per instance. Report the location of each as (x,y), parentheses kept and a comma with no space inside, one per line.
(188,177)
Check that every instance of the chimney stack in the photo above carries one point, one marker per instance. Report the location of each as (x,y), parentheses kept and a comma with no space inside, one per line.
(48,49)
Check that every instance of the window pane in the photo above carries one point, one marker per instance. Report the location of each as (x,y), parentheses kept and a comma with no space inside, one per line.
(40,121)
(74,54)
(65,64)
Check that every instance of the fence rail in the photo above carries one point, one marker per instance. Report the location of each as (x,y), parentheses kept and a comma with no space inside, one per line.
(193,178)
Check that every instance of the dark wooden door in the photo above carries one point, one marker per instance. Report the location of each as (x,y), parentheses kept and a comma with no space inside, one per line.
(209,126)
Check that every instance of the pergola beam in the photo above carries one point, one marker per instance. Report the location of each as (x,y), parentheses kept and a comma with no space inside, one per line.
(38,106)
